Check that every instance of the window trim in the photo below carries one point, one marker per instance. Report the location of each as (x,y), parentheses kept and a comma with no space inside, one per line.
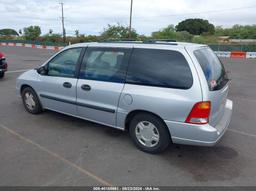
(127,56)
(222,65)
(83,49)
(160,86)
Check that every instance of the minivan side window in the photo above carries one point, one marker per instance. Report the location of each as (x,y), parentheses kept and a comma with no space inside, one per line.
(162,68)
(212,67)
(64,64)
(105,64)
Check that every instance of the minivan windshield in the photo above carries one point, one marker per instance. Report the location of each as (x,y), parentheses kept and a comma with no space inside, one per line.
(212,67)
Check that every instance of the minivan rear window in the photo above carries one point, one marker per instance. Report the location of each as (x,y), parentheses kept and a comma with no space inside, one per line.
(212,67)
(161,68)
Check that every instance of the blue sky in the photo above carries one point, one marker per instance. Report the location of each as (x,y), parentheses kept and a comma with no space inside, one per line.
(91,16)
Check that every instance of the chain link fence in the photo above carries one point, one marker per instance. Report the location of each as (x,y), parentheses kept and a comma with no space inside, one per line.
(34,42)
(237,47)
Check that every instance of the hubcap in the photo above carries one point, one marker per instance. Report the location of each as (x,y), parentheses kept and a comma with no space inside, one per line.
(29,101)
(147,134)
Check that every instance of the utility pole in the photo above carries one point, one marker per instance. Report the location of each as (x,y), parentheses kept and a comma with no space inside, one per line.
(130,26)
(62,20)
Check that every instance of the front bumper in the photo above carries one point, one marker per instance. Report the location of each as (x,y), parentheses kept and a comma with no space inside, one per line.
(201,135)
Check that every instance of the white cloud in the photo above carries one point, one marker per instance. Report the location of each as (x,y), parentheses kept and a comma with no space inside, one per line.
(91,16)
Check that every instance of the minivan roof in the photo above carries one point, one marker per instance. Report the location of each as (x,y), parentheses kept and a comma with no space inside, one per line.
(139,44)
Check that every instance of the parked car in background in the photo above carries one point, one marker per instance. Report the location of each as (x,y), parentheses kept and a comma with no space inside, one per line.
(3,65)
(160,92)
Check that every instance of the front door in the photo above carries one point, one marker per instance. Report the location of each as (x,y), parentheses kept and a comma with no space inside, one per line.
(58,85)
(100,83)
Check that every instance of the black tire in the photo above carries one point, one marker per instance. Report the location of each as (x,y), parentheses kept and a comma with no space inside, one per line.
(37,108)
(1,74)
(162,131)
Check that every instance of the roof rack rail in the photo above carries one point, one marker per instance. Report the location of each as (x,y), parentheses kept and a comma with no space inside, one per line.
(160,40)
(153,41)
(119,40)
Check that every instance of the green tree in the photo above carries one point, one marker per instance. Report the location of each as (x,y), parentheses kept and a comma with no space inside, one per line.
(91,38)
(170,33)
(8,32)
(237,31)
(165,33)
(32,32)
(196,26)
(77,33)
(184,36)
(55,38)
(20,32)
(118,32)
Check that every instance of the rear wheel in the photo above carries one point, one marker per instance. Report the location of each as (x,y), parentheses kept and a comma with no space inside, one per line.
(149,133)
(31,101)
(1,74)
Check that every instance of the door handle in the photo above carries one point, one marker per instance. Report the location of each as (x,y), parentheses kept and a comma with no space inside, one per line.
(67,85)
(86,87)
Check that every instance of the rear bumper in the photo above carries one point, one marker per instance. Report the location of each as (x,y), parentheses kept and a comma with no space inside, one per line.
(201,135)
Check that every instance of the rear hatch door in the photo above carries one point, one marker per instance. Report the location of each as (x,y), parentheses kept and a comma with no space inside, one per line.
(217,82)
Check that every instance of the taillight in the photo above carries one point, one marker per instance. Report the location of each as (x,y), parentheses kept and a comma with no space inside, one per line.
(200,113)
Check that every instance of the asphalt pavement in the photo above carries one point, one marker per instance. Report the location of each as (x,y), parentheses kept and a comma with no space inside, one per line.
(52,149)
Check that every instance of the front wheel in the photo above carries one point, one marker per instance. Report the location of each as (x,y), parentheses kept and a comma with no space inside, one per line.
(31,101)
(149,133)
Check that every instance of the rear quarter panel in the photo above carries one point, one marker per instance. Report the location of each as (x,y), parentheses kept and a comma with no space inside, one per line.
(169,104)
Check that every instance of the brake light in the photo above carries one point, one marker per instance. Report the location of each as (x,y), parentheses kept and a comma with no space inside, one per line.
(200,113)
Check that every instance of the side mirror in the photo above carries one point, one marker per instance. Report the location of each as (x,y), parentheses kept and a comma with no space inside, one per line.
(42,70)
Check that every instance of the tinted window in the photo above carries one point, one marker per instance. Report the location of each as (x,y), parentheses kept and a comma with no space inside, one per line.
(162,68)
(104,65)
(64,64)
(212,67)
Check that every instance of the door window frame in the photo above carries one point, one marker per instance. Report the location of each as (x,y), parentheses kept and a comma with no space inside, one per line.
(126,60)
(77,65)
(153,85)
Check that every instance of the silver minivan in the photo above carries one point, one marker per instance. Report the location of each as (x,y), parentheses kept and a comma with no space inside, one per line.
(160,92)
